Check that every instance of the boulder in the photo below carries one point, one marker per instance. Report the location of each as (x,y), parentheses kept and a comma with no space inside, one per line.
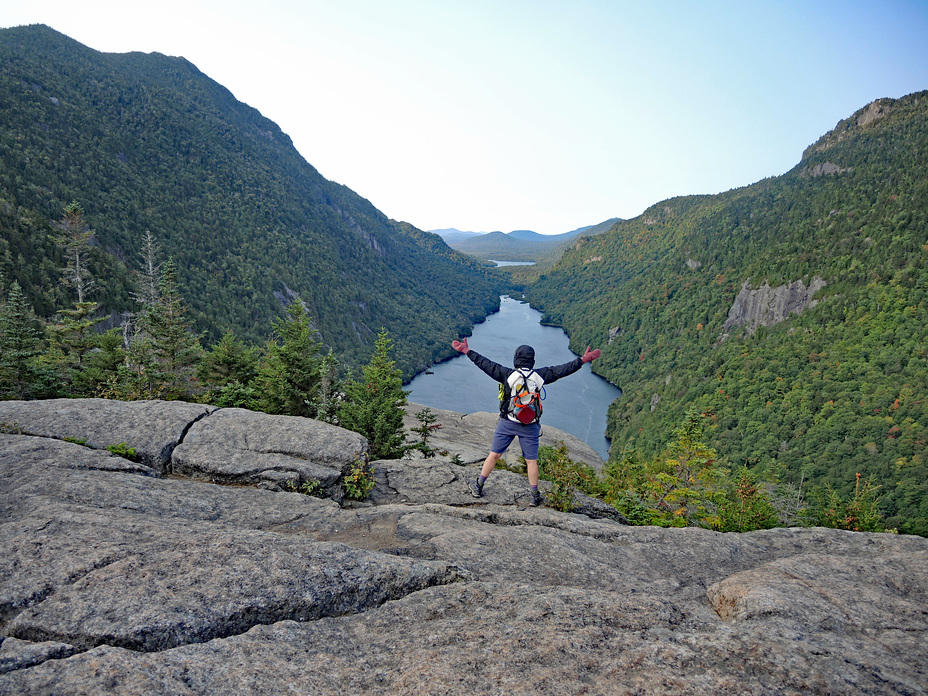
(823,592)
(235,445)
(436,480)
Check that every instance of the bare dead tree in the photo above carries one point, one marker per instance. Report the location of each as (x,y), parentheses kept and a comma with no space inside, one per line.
(149,278)
(75,240)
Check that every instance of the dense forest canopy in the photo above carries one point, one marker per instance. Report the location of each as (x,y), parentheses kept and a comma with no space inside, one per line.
(146,142)
(834,391)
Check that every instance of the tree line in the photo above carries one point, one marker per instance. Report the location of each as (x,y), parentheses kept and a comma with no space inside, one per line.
(155,353)
(687,485)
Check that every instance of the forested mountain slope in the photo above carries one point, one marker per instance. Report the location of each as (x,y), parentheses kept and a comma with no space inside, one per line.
(837,390)
(147,142)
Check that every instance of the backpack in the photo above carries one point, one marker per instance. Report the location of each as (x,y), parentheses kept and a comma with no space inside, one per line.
(526,390)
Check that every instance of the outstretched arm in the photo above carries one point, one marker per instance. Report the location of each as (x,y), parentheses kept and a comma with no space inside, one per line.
(493,369)
(552,374)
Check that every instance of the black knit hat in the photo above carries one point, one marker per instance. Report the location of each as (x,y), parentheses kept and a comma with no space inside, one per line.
(524,357)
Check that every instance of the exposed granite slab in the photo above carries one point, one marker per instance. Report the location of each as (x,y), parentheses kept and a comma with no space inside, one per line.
(116,580)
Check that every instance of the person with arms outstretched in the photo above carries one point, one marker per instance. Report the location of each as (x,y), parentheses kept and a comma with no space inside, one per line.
(520,407)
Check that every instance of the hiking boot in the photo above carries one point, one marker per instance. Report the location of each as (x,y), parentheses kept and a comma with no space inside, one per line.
(476,489)
(537,499)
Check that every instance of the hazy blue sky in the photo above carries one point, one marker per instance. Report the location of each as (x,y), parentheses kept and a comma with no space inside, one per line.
(529,115)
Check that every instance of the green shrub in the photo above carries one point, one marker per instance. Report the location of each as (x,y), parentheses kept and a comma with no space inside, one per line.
(861,513)
(556,466)
(746,506)
(311,487)
(359,482)
(427,426)
(683,486)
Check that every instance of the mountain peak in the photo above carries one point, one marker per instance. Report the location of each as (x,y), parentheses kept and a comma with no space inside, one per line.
(865,117)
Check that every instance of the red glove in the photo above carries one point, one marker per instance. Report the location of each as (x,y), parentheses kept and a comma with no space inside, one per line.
(460,346)
(591,355)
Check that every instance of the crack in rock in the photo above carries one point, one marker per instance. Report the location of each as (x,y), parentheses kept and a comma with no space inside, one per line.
(18,654)
(217,587)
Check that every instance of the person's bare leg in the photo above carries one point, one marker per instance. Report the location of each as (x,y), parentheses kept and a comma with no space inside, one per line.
(490,464)
(531,468)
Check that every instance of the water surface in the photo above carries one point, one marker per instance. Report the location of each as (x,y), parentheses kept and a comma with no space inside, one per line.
(577,404)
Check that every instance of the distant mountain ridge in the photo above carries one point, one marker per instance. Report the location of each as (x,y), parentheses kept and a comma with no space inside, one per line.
(518,245)
(451,235)
(148,142)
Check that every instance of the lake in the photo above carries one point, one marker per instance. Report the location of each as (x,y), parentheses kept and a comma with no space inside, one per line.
(577,404)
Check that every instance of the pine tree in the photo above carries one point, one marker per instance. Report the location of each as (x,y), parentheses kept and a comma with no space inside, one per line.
(175,349)
(71,338)
(148,280)
(103,364)
(289,375)
(227,371)
(139,376)
(329,394)
(374,406)
(747,506)
(20,375)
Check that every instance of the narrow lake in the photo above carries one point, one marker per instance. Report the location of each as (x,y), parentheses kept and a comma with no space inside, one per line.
(577,404)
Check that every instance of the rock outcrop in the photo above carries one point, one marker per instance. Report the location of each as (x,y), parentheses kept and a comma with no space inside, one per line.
(768,306)
(122,577)
(823,169)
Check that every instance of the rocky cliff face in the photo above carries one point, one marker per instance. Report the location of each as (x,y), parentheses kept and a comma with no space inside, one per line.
(130,578)
(767,306)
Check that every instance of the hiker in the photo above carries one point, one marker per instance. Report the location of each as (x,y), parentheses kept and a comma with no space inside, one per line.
(519,414)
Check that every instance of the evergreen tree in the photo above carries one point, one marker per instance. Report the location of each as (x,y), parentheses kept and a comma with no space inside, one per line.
(175,349)
(289,376)
(20,375)
(139,377)
(329,395)
(374,407)
(103,364)
(148,279)
(683,486)
(747,506)
(227,371)
(71,338)
(858,513)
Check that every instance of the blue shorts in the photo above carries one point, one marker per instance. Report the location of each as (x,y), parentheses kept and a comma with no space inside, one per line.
(528,436)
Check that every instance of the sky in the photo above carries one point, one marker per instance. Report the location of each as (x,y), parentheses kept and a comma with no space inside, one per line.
(549,116)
